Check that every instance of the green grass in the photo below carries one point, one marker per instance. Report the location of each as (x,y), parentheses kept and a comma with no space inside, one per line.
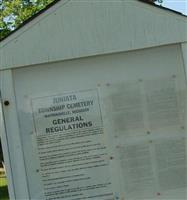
(3,189)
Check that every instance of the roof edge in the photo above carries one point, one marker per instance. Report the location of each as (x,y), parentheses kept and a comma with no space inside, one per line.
(161,7)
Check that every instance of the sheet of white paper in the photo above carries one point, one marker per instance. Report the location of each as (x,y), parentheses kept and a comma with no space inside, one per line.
(171,167)
(123,107)
(71,148)
(137,170)
(141,118)
(163,103)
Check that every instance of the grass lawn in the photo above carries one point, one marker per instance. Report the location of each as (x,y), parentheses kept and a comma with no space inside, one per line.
(3,189)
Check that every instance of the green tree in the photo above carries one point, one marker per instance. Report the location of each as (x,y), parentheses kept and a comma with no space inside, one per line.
(15,12)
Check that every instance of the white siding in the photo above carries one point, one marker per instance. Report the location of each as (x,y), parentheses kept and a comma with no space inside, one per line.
(73,29)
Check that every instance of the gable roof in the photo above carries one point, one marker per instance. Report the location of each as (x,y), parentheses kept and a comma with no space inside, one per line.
(69,29)
(56,1)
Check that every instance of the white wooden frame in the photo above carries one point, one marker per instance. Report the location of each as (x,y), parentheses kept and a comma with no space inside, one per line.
(10,133)
(12,147)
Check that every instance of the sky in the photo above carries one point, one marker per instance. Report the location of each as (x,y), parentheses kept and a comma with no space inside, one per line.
(178,5)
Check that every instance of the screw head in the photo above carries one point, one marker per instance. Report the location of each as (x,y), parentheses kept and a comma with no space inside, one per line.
(6,103)
(111,157)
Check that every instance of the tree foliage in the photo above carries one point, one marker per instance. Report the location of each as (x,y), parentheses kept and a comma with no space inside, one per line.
(15,12)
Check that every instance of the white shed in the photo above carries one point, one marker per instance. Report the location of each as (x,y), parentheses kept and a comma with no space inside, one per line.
(93,102)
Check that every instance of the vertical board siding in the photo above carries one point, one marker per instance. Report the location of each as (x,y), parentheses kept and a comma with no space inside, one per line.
(85,28)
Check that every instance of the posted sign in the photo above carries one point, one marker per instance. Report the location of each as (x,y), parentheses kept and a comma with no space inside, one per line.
(71,151)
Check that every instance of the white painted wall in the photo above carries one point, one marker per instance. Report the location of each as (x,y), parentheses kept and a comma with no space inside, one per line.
(82,74)
(12,145)
(73,29)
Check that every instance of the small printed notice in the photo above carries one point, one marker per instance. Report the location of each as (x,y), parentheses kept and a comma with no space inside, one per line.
(163,103)
(71,147)
(146,132)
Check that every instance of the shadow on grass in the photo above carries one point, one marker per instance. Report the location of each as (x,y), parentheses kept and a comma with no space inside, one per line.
(4,193)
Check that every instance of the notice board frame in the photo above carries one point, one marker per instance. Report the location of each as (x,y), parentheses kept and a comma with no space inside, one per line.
(9,126)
